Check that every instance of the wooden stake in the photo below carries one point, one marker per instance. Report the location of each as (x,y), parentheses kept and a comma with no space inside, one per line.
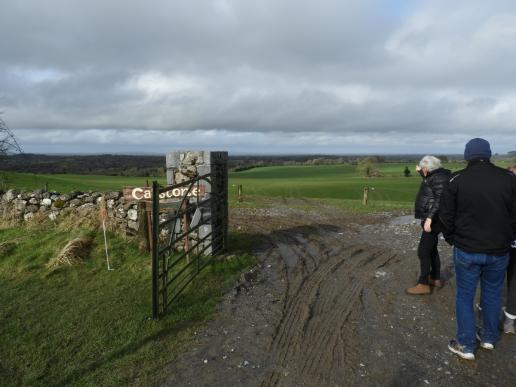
(103,218)
(186,229)
(240,193)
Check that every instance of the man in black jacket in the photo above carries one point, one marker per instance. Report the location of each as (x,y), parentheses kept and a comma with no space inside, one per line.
(427,204)
(479,217)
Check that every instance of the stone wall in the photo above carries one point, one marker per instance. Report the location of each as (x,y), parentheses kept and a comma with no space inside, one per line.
(210,216)
(40,204)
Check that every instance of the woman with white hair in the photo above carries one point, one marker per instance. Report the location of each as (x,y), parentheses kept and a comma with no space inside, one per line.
(435,180)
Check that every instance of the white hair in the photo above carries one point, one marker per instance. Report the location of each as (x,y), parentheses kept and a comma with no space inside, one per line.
(430,162)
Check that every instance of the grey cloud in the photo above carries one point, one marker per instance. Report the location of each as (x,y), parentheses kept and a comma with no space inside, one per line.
(324,68)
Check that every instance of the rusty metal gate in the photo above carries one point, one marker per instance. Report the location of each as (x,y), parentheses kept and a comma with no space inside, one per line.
(186,234)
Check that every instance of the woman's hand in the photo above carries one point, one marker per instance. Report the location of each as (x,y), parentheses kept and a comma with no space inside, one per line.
(428,225)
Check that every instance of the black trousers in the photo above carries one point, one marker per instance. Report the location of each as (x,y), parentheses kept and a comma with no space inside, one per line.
(428,253)
(511,284)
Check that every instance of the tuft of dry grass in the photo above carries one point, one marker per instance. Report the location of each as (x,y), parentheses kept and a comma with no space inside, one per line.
(11,218)
(6,247)
(74,253)
(70,220)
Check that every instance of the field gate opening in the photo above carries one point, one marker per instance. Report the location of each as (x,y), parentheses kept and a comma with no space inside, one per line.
(189,222)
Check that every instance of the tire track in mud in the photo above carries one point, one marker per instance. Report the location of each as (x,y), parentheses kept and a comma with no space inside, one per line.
(325,279)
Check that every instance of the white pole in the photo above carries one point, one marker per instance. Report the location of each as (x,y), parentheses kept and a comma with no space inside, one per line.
(105,244)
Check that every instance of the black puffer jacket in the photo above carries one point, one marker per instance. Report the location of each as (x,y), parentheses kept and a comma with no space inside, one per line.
(429,196)
(478,209)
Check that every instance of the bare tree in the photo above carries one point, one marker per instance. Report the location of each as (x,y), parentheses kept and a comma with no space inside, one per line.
(8,143)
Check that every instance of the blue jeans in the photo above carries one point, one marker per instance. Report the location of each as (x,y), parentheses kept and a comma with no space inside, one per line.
(490,269)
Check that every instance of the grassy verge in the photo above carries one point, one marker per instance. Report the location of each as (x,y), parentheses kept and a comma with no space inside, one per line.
(84,325)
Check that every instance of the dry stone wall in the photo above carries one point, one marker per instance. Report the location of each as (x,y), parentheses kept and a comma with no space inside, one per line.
(40,204)
(125,215)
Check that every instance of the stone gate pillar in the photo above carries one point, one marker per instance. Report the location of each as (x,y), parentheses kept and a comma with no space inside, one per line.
(185,165)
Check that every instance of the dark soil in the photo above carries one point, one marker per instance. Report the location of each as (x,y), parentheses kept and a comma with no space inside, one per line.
(326,307)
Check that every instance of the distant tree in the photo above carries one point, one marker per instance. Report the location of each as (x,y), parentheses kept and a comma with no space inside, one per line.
(8,143)
(443,158)
(366,165)
(406,172)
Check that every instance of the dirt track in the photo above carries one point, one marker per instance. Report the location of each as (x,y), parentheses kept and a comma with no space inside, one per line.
(326,307)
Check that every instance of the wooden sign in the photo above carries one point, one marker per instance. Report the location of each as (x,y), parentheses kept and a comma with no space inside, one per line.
(144,194)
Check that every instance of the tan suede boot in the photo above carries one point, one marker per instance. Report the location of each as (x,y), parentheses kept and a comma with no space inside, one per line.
(419,289)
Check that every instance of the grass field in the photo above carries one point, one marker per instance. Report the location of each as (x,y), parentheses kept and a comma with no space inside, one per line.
(334,182)
(339,185)
(84,325)
(69,182)
(342,185)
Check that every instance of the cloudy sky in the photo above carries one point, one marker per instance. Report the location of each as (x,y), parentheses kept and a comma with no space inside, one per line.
(267,76)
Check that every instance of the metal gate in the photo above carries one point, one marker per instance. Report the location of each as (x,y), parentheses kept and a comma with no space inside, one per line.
(186,234)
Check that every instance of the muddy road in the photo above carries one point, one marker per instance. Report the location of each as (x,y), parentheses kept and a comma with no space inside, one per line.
(326,306)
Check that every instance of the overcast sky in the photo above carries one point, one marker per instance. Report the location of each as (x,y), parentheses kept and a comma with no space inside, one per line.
(258,76)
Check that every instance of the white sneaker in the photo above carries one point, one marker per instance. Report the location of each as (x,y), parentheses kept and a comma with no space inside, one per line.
(488,346)
(508,325)
(460,350)
(485,344)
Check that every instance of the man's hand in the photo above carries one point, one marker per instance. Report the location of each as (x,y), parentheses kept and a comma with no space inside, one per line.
(428,225)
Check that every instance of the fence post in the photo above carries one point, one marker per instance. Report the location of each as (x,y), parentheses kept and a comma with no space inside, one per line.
(366,196)
(155,248)
(240,193)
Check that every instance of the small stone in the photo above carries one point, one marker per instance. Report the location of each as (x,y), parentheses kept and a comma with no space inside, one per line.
(20,204)
(89,199)
(38,194)
(75,203)
(87,206)
(132,214)
(31,208)
(113,195)
(64,198)
(205,361)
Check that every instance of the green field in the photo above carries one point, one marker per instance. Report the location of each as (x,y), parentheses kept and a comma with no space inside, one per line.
(84,325)
(68,182)
(341,185)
